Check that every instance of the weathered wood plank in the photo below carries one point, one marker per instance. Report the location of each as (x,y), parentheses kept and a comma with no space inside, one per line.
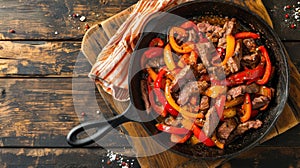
(41,19)
(41,58)
(40,112)
(276,10)
(59,158)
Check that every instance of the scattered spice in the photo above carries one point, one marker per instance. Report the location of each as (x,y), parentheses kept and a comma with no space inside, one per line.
(115,160)
(292,15)
(11,31)
(87,26)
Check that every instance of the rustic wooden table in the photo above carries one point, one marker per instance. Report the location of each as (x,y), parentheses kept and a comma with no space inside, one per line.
(41,64)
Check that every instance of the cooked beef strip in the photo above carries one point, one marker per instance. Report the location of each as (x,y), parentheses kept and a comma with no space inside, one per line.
(182,77)
(241,89)
(227,28)
(243,127)
(250,44)
(198,70)
(259,102)
(204,103)
(194,87)
(156,62)
(218,72)
(250,61)
(211,121)
(206,51)
(226,128)
(145,95)
(252,88)
(234,62)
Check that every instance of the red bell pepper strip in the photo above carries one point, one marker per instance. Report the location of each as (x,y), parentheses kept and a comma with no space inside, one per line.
(199,134)
(245,35)
(156,42)
(268,70)
(153,52)
(171,129)
(159,109)
(158,84)
(247,75)
(247,108)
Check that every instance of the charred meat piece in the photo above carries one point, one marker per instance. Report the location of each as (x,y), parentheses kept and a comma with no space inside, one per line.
(242,128)
(145,95)
(226,128)
(250,44)
(218,72)
(194,87)
(204,103)
(227,28)
(241,89)
(156,62)
(251,61)
(259,102)
(211,121)
(206,52)
(182,77)
(199,69)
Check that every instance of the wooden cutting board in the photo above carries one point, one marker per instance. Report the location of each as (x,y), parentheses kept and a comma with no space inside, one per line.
(97,37)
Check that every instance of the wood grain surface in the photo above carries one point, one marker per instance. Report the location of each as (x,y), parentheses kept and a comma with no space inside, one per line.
(287,120)
(37,103)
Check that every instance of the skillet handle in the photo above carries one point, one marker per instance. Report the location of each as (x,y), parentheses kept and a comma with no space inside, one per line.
(102,126)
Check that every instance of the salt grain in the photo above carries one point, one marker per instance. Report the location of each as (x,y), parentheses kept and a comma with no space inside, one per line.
(82,18)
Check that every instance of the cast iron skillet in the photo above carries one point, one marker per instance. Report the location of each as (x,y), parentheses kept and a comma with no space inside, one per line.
(135,111)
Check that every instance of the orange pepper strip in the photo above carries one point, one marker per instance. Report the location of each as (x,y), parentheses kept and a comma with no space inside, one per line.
(151,73)
(180,49)
(172,102)
(230,46)
(247,108)
(168,58)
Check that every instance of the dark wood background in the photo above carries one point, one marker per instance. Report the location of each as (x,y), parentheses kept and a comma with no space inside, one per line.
(37,73)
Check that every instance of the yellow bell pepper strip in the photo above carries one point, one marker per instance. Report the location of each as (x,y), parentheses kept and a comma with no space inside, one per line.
(268,68)
(199,134)
(229,113)
(180,49)
(172,129)
(194,140)
(234,102)
(245,35)
(151,73)
(153,52)
(172,102)
(246,108)
(215,90)
(168,58)
(230,46)
(158,85)
(265,91)
(156,42)
(217,142)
